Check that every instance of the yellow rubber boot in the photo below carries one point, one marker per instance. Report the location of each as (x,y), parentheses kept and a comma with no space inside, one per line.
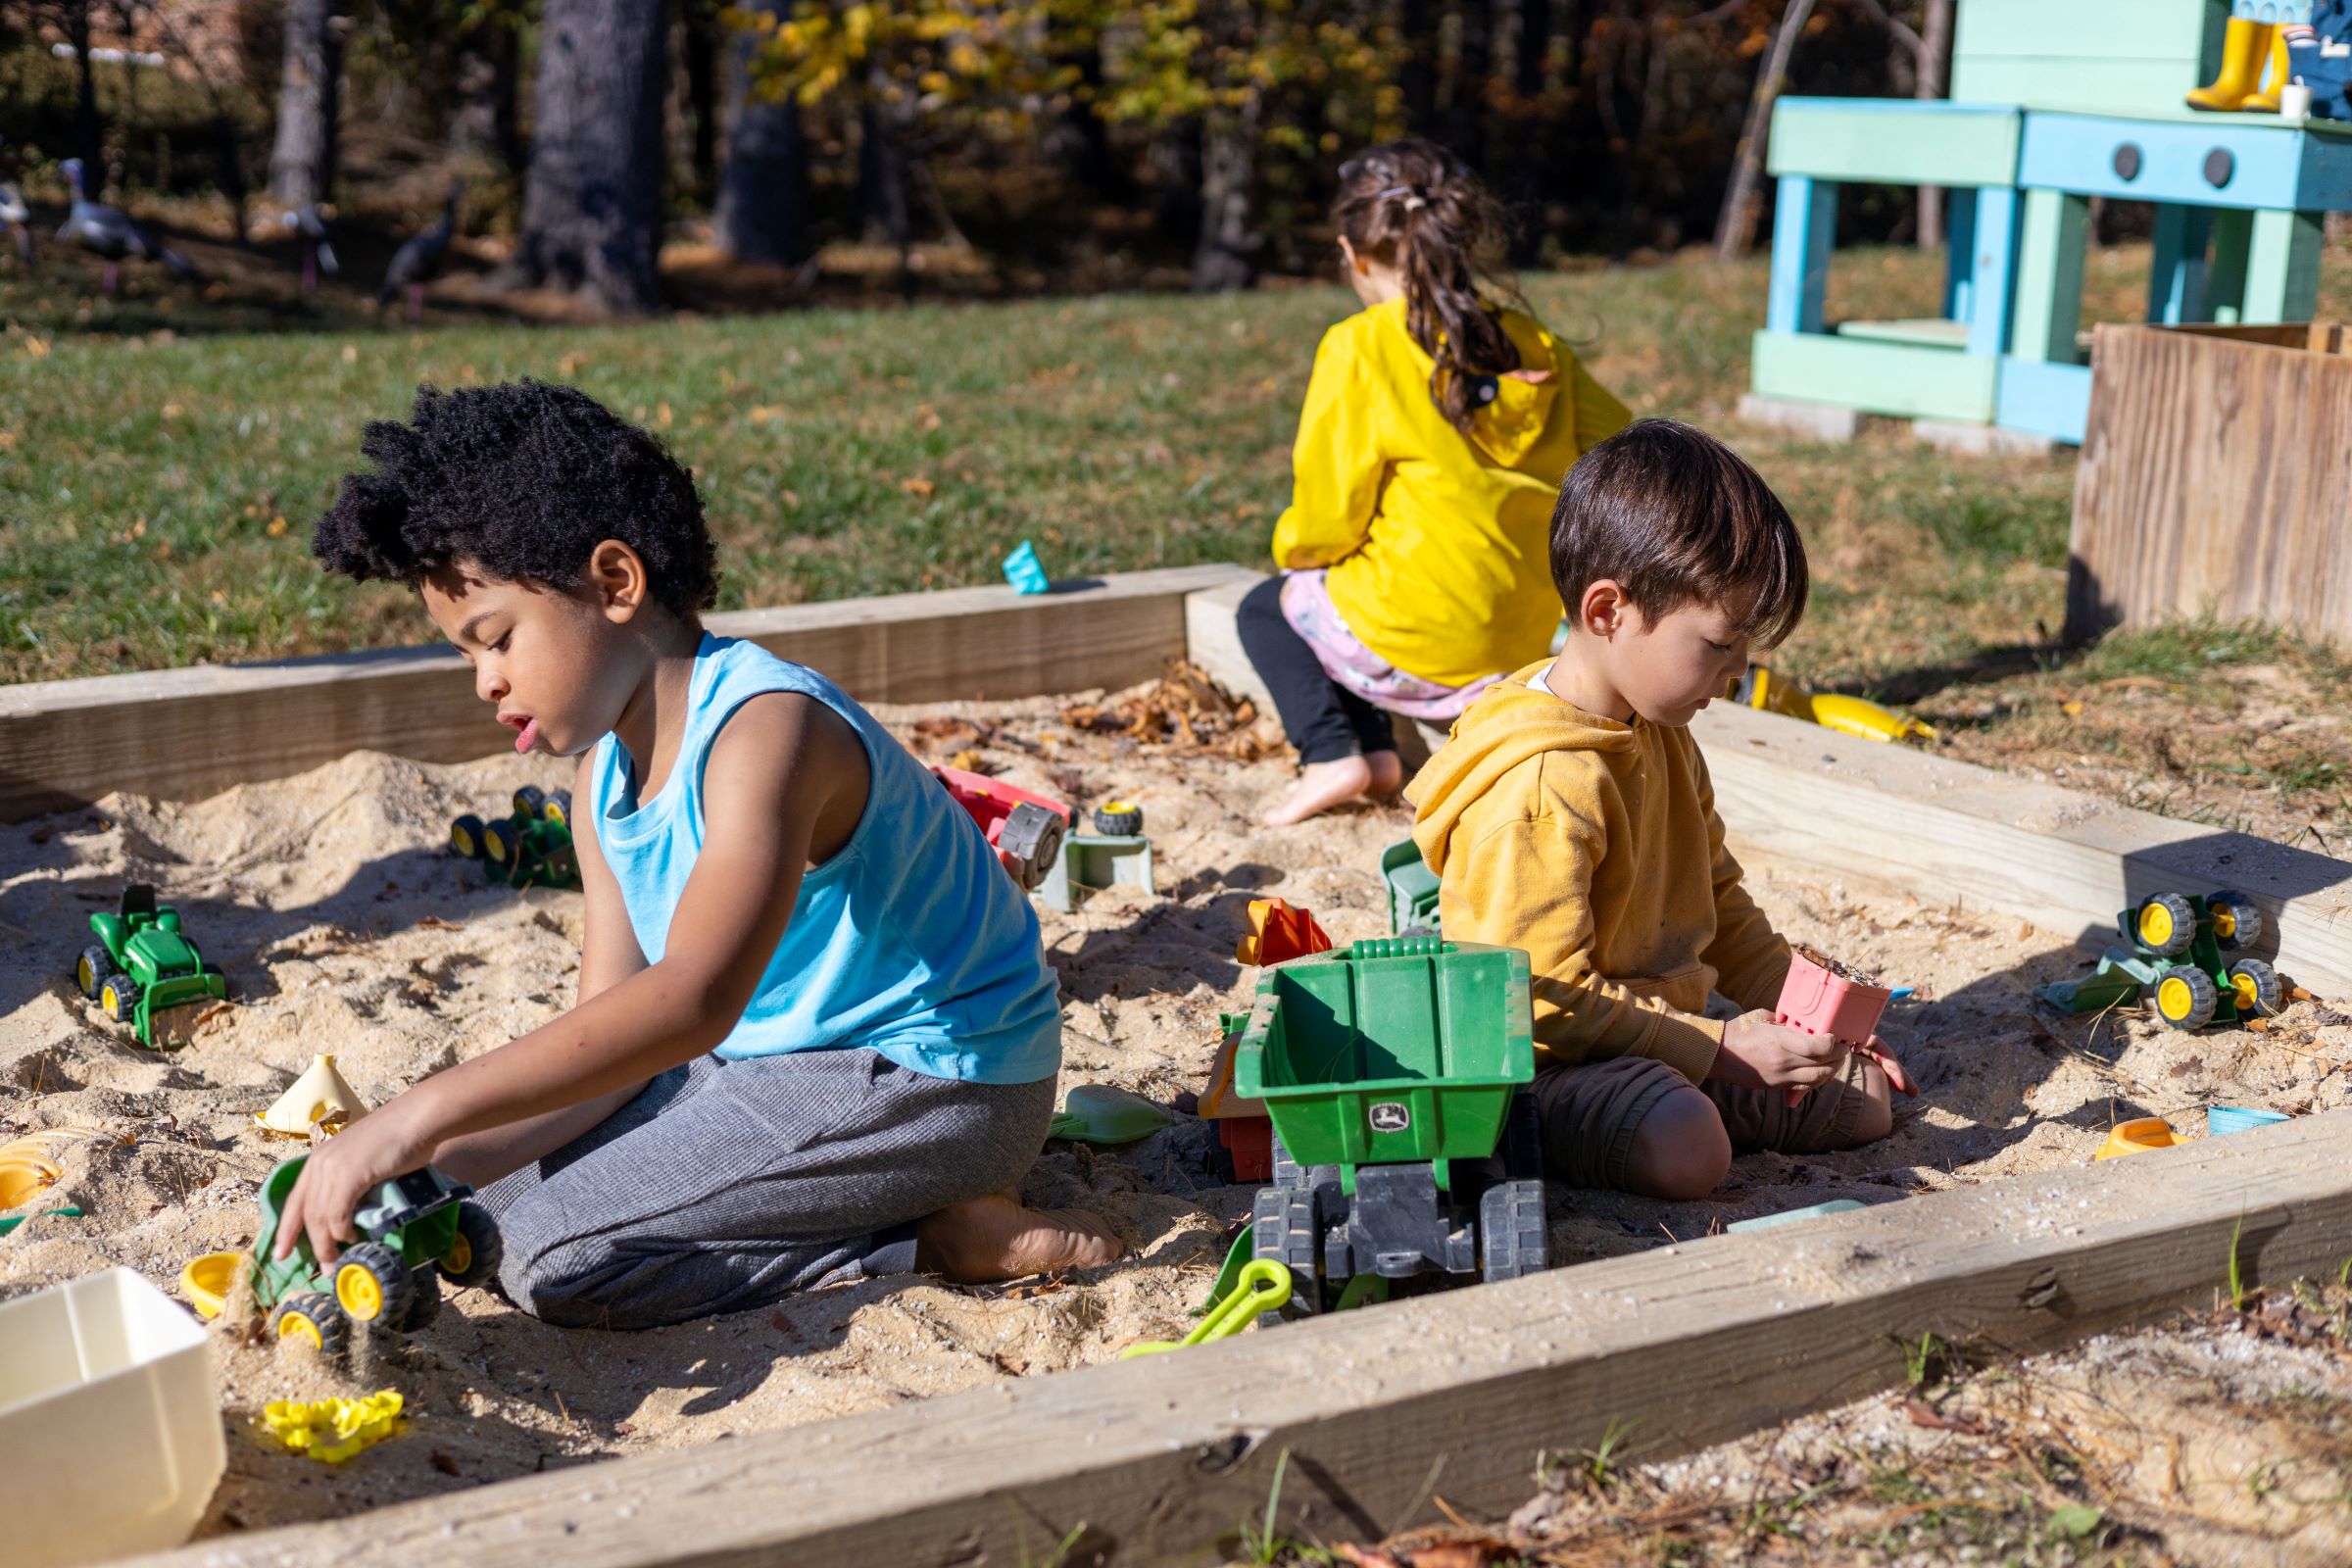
(2276,79)
(2246,47)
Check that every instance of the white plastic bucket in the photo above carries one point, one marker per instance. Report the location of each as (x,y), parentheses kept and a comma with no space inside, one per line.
(110,1431)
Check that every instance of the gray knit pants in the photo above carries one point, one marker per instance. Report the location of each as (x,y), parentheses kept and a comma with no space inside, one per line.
(729,1185)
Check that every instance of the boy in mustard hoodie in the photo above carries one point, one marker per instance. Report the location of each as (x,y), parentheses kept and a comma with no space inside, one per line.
(1571,816)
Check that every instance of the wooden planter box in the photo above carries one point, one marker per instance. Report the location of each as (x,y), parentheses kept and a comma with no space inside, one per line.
(2216,477)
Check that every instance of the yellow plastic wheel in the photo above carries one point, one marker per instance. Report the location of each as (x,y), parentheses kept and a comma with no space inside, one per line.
(2174,999)
(2156,926)
(110,1001)
(2248,995)
(459,1256)
(358,1294)
(83,977)
(2225,922)
(460,839)
(296,1326)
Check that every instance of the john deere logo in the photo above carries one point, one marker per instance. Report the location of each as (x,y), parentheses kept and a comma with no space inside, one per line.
(1391,1116)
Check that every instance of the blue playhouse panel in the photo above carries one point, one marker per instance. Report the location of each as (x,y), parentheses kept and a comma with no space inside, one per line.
(1803,224)
(2044,399)
(2158,161)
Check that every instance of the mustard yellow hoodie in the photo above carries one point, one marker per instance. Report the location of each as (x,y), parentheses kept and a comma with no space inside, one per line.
(1595,845)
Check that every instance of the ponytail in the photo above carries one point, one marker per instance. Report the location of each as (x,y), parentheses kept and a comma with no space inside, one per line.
(1411,205)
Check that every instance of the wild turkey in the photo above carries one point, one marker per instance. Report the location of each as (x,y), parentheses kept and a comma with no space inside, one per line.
(112,234)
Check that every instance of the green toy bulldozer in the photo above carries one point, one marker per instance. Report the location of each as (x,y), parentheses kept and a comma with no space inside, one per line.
(2180,954)
(143,971)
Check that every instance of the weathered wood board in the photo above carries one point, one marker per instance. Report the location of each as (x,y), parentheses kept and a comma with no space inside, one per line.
(1455,1394)
(186,733)
(2216,477)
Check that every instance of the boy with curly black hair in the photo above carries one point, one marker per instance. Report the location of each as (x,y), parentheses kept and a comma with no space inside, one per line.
(827,1048)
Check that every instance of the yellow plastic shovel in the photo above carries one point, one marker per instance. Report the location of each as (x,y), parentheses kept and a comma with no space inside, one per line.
(1263,1285)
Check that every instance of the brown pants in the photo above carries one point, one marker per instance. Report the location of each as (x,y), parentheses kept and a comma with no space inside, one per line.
(1590,1111)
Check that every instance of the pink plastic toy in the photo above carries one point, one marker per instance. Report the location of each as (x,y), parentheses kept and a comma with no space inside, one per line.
(1820,1003)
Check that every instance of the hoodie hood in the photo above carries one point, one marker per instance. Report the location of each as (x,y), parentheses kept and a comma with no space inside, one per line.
(1509,427)
(1513,720)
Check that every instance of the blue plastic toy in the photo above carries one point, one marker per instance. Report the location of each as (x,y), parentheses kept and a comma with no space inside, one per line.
(1024,571)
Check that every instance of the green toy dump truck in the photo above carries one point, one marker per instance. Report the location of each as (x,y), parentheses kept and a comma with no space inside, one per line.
(1395,1072)
(144,972)
(2179,951)
(416,1228)
(531,847)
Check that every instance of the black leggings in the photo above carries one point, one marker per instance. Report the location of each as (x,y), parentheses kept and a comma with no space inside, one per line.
(1324,720)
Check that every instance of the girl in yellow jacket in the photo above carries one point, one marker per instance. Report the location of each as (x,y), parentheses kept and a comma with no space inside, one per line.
(1437,428)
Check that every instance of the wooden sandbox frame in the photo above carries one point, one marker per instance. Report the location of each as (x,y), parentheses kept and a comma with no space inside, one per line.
(1449,1396)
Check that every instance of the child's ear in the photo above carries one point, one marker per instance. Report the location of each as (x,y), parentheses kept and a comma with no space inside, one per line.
(617,576)
(1603,608)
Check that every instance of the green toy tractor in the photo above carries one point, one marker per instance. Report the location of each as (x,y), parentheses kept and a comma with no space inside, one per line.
(1395,1074)
(144,972)
(531,847)
(416,1229)
(2179,953)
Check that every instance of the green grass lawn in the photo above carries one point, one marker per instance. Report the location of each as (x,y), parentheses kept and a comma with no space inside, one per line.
(157,496)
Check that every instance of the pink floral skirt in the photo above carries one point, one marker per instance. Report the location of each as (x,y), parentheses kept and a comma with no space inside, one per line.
(1306,605)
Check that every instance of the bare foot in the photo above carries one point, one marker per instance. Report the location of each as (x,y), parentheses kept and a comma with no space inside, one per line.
(994,1238)
(1322,786)
(1388,775)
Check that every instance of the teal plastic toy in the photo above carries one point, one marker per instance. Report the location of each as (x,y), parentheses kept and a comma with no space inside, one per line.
(1099,1113)
(416,1229)
(1765,1222)
(2178,950)
(1394,1072)
(530,847)
(1025,571)
(143,971)
(1412,889)
(2221,1120)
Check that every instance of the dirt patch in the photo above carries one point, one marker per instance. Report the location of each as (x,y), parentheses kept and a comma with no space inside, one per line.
(2226,1438)
(345,927)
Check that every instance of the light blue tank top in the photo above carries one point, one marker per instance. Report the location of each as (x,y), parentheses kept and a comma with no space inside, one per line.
(910,941)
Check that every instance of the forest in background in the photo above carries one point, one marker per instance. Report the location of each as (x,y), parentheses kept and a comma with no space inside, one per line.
(1094,145)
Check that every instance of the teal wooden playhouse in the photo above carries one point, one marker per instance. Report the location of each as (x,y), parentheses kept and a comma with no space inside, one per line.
(2053,102)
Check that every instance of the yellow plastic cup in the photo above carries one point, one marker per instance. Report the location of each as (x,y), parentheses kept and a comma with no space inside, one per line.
(207,1281)
(2136,1137)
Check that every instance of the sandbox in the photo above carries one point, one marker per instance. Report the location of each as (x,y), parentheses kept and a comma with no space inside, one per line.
(331,899)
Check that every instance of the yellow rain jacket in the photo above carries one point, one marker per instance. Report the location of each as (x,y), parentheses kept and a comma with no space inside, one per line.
(1595,845)
(1439,543)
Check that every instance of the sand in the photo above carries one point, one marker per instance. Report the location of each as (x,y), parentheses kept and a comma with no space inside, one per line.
(345,927)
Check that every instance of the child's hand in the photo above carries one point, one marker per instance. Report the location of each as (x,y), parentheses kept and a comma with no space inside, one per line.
(341,1172)
(1759,1053)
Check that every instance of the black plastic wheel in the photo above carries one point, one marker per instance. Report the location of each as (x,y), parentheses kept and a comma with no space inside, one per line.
(465,837)
(312,1318)
(502,845)
(373,1285)
(2254,987)
(2186,996)
(425,1298)
(1119,819)
(474,1257)
(1284,1226)
(2237,921)
(557,809)
(1288,1172)
(1512,1234)
(1523,1138)
(2165,924)
(529,801)
(91,969)
(119,996)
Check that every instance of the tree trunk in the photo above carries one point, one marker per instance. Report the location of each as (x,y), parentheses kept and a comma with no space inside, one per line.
(1527,185)
(762,210)
(1227,256)
(1736,227)
(699,35)
(1417,75)
(1466,102)
(592,201)
(302,166)
(229,159)
(884,182)
(88,134)
(1935,54)
(483,122)
(1175,161)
